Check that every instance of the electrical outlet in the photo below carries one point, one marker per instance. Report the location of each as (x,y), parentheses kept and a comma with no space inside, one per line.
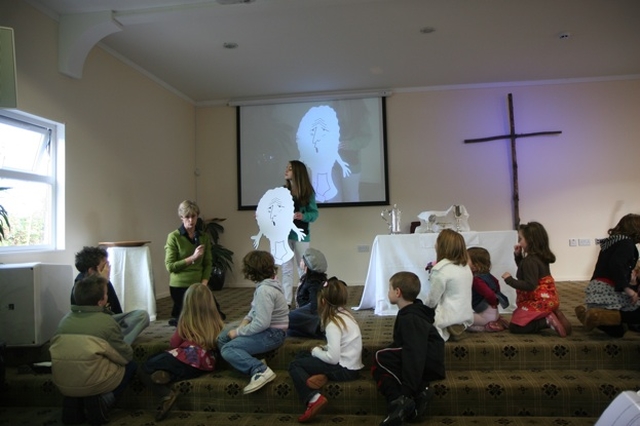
(582,242)
(573,242)
(363,248)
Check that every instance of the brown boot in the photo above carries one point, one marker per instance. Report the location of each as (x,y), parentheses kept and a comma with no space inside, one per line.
(581,313)
(596,317)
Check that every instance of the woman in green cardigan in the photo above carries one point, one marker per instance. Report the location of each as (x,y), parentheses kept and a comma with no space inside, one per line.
(187,256)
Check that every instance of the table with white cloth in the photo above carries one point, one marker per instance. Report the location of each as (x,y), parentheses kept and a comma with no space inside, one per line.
(412,252)
(132,278)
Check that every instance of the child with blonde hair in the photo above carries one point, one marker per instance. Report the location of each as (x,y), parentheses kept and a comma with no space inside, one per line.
(193,347)
(338,360)
(485,293)
(450,279)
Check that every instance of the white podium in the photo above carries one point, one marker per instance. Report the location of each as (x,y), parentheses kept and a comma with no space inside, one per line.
(412,252)
(132,278)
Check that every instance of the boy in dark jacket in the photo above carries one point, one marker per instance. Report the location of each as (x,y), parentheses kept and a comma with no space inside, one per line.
(304,320)
(404,370)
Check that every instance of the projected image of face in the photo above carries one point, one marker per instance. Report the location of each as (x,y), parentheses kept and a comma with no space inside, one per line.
(318,140)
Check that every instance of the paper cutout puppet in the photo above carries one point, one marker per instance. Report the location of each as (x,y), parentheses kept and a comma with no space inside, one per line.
(275,220)
(318,140)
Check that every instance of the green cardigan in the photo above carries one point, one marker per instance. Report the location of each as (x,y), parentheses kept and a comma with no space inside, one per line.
(176,250)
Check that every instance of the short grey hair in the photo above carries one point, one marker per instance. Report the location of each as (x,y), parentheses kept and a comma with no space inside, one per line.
(188,208)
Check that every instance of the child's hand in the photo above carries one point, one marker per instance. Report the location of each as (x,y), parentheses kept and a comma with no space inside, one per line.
(105,271)
(506,275)
(233,333)
(632,294)
(517,250)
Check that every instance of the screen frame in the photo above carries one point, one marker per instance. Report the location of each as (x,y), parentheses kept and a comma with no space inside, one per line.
(382,200)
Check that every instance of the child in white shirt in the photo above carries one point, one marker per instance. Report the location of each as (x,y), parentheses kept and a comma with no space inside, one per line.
(338,360)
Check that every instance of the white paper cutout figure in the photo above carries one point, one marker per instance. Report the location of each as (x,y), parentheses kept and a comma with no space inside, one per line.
(318,140)
(275,219)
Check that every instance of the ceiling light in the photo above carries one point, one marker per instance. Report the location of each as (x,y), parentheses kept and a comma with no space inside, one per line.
(234,1)
(229,45)
(565,35)
(427,30)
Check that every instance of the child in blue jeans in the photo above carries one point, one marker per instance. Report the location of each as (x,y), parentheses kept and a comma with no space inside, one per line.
(263,329)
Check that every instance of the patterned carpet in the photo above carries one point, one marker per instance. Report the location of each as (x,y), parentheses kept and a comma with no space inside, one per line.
(492,378)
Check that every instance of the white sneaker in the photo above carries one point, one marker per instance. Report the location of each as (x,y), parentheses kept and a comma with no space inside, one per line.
(259,380)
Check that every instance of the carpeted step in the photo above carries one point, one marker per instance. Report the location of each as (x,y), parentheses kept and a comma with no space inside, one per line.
(584,393)
(123,417)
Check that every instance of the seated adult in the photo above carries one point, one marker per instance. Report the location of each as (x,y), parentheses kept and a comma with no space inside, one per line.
(304,320)
(93,261)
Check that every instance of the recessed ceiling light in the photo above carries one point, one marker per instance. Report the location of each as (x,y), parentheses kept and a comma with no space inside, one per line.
(427,30)
(564,35)
(229,45)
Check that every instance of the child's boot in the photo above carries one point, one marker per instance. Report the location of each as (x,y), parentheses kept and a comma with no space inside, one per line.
(581,313)
(422,402)
(400,409)
(596,317)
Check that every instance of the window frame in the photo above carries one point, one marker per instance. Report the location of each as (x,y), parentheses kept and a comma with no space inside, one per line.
(55,179)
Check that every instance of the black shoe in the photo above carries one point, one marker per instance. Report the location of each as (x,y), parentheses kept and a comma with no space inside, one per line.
(165,406)
(400,409)
(173,322)
(97,413)
(422,401)
(72,411)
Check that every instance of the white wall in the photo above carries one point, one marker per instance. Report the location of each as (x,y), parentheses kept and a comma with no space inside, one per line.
(133,149)
(130,144)
(577,184)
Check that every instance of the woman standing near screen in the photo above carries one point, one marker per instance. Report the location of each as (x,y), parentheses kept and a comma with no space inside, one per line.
(305,211)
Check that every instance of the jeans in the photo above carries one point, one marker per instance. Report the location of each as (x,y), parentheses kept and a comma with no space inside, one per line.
(298,248)
(132,323)
(238,352)
(306,365)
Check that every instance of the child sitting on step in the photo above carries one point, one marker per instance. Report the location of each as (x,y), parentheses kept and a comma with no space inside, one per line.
(91,363)
(450,279)
(538,304)
(338,360)
(193,346)
(263,329)
(304,320)
(404,370)
(485,293)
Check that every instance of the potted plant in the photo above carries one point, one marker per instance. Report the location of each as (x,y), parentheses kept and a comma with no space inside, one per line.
(4,219)
(222,257)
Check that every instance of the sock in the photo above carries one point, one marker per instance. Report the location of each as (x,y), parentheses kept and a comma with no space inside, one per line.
(314,398)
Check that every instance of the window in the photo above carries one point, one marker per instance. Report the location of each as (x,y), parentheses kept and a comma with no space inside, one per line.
(31,178)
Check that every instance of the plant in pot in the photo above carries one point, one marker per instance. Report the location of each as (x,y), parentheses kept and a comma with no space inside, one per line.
(221,257)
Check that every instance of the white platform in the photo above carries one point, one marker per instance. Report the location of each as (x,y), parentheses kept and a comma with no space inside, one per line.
(412,252)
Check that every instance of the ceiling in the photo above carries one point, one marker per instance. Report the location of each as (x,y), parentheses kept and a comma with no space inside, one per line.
(287,47)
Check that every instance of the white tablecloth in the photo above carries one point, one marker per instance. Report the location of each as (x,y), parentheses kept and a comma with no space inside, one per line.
(412,252)
(132,278)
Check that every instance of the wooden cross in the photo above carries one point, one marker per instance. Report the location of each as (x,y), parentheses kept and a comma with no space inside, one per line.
(514,159)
